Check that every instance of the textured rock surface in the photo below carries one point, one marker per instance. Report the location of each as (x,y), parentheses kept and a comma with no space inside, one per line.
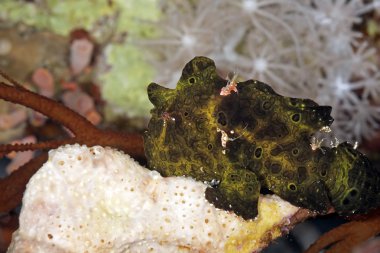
(100,200)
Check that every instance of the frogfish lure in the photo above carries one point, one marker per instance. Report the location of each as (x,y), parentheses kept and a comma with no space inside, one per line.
(253,139)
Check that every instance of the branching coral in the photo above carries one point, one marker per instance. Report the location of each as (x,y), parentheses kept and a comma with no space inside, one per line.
(84,132)
(345,237)
(13,186)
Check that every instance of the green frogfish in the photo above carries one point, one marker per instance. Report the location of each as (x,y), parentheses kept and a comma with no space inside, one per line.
(243,137)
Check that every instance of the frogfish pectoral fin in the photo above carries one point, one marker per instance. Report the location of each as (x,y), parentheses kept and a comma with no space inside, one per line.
(158,94)
(238,191)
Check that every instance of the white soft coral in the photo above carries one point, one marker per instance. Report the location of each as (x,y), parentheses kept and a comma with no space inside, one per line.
(303,48)
(192,34)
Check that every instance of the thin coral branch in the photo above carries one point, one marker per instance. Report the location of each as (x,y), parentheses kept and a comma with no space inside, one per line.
(345,237)
(84,131)
(11,80)
(50,108)
(8,224)
(132,144)
(13,186)
(32,146)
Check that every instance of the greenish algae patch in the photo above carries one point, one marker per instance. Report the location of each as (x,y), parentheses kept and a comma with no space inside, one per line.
(126,74)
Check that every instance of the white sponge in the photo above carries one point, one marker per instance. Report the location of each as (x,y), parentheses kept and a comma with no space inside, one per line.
(100,200)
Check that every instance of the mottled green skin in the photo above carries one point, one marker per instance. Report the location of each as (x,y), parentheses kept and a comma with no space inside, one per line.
(268,148)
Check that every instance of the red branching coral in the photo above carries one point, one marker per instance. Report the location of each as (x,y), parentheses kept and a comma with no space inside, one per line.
(13,186)
(345,237)
(8,224)
(84,132)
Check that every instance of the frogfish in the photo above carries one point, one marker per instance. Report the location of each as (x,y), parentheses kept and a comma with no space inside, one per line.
(250,138)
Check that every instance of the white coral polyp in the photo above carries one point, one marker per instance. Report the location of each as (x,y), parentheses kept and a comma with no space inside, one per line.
(100,200)
(260,65)
(249,6)
(188,41)
(301,42)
